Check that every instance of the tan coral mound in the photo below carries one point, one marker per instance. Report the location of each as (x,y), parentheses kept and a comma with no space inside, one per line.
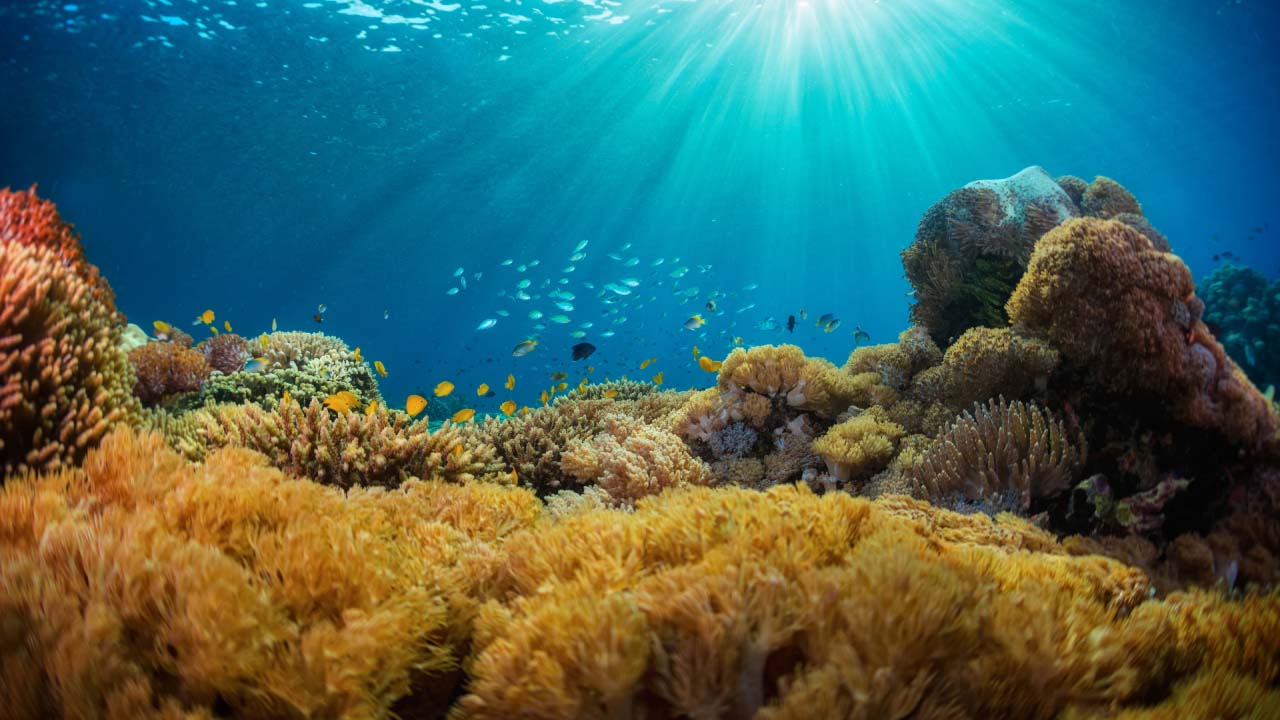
(1128,315)
(382,448)
(630,460)
(859,446)
(984,363)
(143,587)
(1000,450)
(64,379)
(727,603)
(783,373)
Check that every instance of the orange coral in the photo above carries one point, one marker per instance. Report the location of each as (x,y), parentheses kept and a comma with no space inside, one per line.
(64,381)
(165,369)
(630,460)
(717,603)
(145,586)
(1127,315)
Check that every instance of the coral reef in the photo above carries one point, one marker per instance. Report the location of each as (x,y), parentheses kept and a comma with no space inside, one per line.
(630,460)
(64,378)
(1000,451)
(1127,316)
(783,374)
(719,603)
(1244,311)
(382,448)
(972,246)
(166,369)
(142,586)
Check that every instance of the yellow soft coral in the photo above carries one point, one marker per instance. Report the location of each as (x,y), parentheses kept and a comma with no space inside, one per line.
(144,585)
(860,446)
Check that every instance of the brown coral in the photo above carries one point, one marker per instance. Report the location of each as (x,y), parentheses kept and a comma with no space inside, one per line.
(1000,453)
(983,363)
(1105,199)
(226,352)
(165,369)
(64,379)
(381,448)
(630,460)
(1127,315)
(143,586)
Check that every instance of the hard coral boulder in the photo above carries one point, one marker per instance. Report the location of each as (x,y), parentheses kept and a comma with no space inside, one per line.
(972,246)
(64,378)
(1127,317)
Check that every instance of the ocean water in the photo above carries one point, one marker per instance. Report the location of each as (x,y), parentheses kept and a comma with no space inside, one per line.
(262,158)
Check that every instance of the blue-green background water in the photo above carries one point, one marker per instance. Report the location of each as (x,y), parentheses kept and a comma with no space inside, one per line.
(261,158)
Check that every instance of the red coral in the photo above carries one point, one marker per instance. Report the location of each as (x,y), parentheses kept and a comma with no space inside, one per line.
(225,353)
(165,369)
(28,220)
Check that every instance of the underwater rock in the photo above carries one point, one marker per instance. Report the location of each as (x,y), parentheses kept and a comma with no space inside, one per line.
(972,246)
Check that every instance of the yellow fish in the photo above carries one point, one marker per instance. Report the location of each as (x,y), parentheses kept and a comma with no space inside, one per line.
(285,399)
(708,364)
(737,340)
(515,479)
(273,324)
(382,369)
(645,363)
(463,415)
(227,324)
(695,352)
(342,401)
(357,356)
(508,407)
(582,383)
(657,379)
(482,390)
(206,317)
(694,322)
(611,393)
(213,330)
(262,339)
(456,452)
(562,387)
(162,327)
(444,388)
(544,397)
(414,405)
(590,369)
(373,408)
(511,382)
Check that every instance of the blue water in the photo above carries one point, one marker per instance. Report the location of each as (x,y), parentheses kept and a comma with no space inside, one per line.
(262,158)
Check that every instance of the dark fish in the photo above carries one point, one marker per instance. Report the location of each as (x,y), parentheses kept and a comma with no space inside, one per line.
(1216,257)
(860,335)
(583,350)
(490,394)
(557,376)
(791,323)
(318,317)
